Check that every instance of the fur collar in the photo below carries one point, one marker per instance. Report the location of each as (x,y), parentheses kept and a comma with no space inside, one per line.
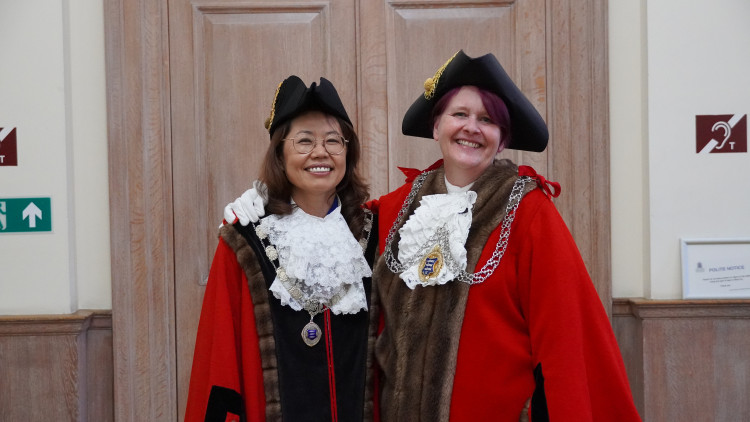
(427,321)
(254,270)
(259,294)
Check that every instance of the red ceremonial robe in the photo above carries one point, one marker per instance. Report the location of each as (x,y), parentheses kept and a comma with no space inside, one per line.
(535,327)
(227,338)
(250,363)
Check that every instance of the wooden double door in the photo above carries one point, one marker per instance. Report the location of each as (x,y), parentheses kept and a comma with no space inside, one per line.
(190,84)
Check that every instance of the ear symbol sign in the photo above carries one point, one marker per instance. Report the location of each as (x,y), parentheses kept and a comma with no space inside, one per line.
(727,132)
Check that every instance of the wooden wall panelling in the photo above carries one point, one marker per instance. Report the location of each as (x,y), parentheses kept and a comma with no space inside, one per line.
(53,367)
(40,368)
(578,151)
(597,228)
(693,358)
(696,360)
(99,373)
(373,101)
(628,331)
(530,70)
(141,219)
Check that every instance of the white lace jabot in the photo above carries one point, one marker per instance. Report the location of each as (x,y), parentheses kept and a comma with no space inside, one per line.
(321,258)
(450,211)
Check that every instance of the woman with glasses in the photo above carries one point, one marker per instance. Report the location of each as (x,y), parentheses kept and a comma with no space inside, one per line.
(283,331)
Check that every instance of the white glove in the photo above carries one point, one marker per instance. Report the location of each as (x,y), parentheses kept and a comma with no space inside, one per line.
(249,207)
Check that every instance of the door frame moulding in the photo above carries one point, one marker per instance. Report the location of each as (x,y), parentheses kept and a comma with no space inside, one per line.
(141,214)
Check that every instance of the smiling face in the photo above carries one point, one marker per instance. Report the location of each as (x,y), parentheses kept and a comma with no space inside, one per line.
(313,175)
(468,138)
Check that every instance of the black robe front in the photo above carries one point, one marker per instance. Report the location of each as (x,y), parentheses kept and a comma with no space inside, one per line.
(250,360)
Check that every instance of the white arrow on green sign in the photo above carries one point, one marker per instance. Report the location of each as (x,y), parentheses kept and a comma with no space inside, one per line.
(25,215)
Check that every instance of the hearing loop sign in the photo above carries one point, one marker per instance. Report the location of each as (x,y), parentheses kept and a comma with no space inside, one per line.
(722,133)
(8,147)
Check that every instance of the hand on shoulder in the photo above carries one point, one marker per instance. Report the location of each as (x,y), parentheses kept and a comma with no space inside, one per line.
(249,207)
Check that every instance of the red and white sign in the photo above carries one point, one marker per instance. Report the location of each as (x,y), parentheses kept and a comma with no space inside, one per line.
(8,148)
(720,133)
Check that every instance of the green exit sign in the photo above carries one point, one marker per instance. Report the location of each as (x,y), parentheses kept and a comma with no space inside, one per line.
(25,215)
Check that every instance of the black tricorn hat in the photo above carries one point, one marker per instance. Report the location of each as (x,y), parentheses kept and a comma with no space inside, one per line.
(293,98)
(528,130)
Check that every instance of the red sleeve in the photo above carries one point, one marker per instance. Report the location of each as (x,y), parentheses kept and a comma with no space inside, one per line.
(388,207)
(571,336)
(227,357)
(372,205)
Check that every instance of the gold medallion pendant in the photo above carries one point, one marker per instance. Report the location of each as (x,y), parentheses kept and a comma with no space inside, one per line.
(431,265)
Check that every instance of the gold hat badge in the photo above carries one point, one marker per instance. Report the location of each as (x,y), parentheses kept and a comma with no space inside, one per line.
(269,120)
(431,83)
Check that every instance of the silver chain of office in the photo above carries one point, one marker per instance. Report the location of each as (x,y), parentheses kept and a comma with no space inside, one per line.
(441,235)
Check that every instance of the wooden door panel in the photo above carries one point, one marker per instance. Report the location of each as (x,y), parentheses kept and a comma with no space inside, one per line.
(190,84)
(549,49)
(166,197)
(417,38)
(226,61)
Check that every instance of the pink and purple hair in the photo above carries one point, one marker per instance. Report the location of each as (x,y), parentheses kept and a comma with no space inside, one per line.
(494,105)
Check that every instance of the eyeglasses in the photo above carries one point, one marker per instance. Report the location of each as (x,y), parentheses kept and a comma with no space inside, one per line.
(304,143)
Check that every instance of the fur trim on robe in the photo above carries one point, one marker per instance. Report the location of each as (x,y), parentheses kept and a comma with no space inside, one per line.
(259,293)
(418,347)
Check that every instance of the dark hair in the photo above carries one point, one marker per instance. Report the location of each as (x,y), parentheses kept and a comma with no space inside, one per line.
(352,191)
(494,105)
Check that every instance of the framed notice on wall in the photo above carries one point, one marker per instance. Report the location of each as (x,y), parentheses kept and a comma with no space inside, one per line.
(715,268)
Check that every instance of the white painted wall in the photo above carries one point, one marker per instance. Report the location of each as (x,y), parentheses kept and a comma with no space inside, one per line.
(88,122)
(669,60)
(704,71)
(52,90)
(628,147)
